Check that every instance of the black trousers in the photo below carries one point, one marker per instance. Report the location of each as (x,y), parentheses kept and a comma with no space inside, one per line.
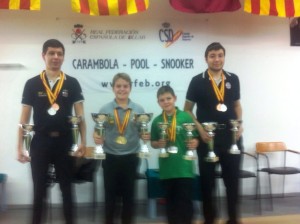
(179,207)
(45,150)
(230,164)
(119,174)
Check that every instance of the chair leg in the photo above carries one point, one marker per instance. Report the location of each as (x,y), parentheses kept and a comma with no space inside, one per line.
(283,185)
(270,189)
(258,193)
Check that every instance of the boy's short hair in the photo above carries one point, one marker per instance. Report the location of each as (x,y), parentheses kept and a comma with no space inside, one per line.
(53,43)
(214,47)
(124,76)
(165,89)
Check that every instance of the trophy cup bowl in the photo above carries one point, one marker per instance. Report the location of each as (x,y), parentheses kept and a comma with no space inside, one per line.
(189,128)
(163,135)
(99,119)
(143,119)
(27,129)
(210,127)
(234,149)
(74,120)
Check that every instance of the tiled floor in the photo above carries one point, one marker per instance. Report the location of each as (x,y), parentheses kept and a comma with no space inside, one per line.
(249,208)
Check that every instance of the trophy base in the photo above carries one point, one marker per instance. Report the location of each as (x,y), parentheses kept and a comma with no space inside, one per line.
(163,155)
(172,149)
(212,159)
(100,156)
(72,153)
(188,157)
(144,155)
(235,152)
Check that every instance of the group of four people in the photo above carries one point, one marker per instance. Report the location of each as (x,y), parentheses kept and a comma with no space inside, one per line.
(52,96)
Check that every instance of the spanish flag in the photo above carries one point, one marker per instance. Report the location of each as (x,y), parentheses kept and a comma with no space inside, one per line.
(281,8)
(109,7)
(205,6)
(20,4)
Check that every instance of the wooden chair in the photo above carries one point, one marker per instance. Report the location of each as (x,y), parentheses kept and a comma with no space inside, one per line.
(265,150)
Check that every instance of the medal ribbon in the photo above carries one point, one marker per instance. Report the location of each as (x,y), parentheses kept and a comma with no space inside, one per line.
(219,92)
(52,96)
(121,128)
(172,129)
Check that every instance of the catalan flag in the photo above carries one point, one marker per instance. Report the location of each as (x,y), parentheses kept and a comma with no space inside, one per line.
(281,8)
(20,4)
(205,6)
(109,7)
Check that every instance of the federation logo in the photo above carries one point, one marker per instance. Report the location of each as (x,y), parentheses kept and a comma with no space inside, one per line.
(169,37)
(78,34)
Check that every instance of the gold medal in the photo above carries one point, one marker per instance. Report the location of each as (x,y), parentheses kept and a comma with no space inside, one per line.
(121,140)
(121,127)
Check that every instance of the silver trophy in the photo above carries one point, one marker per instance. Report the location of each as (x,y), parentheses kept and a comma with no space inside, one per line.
(74,120)
(235,128)
(210,127)
(143,119)
(27,129)
(100,119)
(163,135)
(189,127)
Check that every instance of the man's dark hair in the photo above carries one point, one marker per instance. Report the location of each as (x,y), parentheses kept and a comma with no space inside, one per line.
(165,89)
(53,43)
(214,47)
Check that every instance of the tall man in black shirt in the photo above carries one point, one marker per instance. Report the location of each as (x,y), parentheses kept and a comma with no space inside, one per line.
(217,96)
(51,96)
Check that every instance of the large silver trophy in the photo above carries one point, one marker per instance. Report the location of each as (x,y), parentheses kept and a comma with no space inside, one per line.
(143,119)
(234,149)
(210,127)
(189,128)
(27,129)
(74,120)
(100,119)
(163,126)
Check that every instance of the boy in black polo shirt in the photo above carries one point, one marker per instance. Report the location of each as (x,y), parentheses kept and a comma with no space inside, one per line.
(217,96)
(51,96)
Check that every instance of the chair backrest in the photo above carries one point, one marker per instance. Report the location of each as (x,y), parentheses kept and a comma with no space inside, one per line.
(270,147)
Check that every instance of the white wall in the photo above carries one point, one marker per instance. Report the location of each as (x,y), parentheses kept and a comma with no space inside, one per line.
(257,50)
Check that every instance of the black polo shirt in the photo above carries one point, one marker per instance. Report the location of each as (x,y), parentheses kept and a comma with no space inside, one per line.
(200,92)
(35,95)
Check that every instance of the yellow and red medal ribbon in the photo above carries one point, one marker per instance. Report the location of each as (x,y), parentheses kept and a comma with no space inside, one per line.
(52,96)
(219,92)
(121,128)
(172,128)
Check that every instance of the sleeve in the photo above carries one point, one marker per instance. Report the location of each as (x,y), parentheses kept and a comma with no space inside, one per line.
(237,94)
(191,95)
(27,97)
(77,92)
